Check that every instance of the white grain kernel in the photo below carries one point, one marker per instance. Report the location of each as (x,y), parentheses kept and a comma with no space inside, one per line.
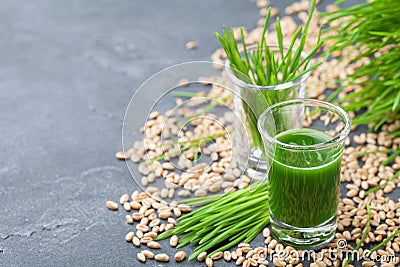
(111,205)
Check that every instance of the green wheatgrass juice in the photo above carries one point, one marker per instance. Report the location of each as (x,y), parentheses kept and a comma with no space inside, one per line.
(304,185)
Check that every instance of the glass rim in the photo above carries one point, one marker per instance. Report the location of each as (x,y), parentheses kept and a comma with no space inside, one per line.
(279,86)
(332,142)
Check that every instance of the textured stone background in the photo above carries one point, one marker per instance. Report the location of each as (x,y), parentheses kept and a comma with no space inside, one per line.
(67,72)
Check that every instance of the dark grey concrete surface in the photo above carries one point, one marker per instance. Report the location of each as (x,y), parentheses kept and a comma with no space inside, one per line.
(67,72)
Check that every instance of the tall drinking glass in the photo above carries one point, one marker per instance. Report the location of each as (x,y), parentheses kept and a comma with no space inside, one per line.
(304,152)
(249,102)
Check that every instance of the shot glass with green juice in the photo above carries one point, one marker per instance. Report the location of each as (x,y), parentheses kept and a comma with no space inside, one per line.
(304,149)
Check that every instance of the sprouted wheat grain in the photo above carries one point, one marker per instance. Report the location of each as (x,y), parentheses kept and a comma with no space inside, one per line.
(364,162)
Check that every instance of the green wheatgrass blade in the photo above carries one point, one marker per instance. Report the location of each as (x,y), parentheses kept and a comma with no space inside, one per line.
(222,42)
(256,230)
(242,231)
(335,94)
(231,218)
(186,239)
(396,102)
(261,77)
(234,211)
(169,154)
(200,225)
(280,36)
(222,215)
(201,211)
(288,57)
(234,217)
(199,139)
(294,65)
(200,234)
(268,68)
(372,27)
(200,201)
(376,188)
(378,102)
(386,103)
(238,60)
(368,118)
(196,143)
(261,46)
(204,247)
(305,62)
(318,45)
(238,231)
(185,94)
(248,64)
(165,235)
(373,152)
(396,132)
(220,201)
(227,246)
(206,109)
(266,22)
(285,65)
(391,158)
(364,91)
(184,225)
(301,73)
(274,72)
(192,221)
(226,41)
(195,158)
(189,223)
(210,235)
(220,238)
(262,67)
(364,235)
(380,122)
(387,239)
(195,238)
